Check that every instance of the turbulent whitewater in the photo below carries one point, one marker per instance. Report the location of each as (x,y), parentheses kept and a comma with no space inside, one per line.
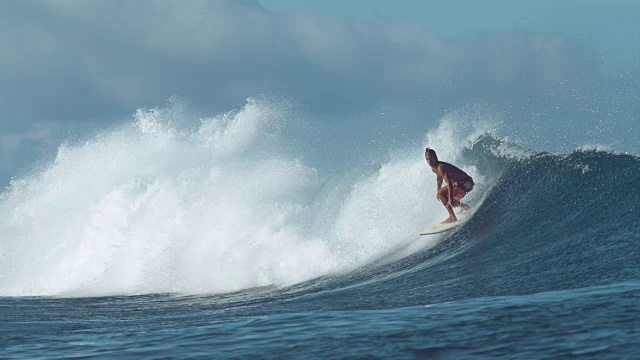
(170,204)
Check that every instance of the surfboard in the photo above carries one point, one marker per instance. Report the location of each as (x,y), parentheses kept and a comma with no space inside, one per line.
(462,218)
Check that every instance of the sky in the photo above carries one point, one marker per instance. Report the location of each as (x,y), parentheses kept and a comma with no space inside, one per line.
(68,68)
(608,25)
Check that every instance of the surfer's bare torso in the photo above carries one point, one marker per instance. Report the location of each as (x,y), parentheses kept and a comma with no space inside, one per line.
(459,183)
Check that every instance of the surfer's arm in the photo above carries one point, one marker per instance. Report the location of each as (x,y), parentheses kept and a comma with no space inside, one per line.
(439,181)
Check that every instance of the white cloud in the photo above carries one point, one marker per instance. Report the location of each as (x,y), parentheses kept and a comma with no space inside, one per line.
(78,61)
(44,133)
(127,54)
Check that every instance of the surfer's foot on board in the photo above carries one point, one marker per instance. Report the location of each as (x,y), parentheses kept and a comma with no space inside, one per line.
(449,220)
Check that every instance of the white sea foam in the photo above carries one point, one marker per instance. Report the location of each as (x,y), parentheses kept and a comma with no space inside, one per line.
(594,147)
(160,206)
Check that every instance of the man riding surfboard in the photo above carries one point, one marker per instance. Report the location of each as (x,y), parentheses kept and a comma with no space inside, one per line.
(458,184)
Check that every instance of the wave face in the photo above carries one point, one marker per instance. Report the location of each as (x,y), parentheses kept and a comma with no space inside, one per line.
(550,223)
(161,206)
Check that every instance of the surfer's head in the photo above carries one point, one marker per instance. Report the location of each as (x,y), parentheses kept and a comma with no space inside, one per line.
(432,158)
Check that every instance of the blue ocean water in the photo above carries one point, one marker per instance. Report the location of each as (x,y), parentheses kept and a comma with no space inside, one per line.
(163,257)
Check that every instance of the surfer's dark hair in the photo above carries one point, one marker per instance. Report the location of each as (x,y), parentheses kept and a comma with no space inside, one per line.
(431,152)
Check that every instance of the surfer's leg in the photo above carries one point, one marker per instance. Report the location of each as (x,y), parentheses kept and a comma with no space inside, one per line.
(458,194)
(444,198)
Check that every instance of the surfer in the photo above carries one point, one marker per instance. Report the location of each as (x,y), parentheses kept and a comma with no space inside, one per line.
(458,184)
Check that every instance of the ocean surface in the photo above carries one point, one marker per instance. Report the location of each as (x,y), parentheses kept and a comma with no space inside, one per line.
(154,240)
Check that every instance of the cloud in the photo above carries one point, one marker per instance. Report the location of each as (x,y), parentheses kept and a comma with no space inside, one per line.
(38,137)
(90,57)
(74,61)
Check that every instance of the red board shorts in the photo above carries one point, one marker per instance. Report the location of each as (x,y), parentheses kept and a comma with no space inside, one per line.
(462,187)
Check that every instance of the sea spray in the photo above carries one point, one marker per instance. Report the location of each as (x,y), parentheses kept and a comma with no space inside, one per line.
(174,202)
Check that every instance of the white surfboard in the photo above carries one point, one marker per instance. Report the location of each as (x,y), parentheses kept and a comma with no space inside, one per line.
(462,218)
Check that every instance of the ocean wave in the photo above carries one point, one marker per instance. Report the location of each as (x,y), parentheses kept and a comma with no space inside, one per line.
(166,206)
